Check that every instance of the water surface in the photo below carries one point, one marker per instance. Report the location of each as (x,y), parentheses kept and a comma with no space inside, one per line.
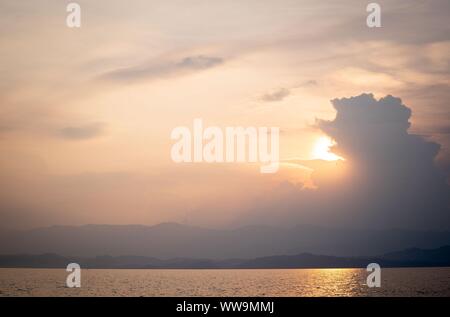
(281,282)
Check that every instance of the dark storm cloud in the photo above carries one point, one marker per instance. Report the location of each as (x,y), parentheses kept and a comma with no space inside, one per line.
(389,178)
(393,168)
(82,132)
(158,69)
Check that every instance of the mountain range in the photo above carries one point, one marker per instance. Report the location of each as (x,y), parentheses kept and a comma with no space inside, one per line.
(171,240)
(408,258)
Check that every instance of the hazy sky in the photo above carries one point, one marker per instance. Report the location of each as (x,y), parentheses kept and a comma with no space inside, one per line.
(86,114)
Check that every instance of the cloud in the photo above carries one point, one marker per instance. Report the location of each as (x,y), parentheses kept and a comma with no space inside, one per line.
(309,83)
(433,130)
(388,179)
(83,132)
(5,128)
(277,95)
(396,21)
(199,62)
(281,93)
(443,129)
(161,69)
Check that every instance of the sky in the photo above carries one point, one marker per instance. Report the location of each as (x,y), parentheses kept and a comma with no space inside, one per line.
(86,113)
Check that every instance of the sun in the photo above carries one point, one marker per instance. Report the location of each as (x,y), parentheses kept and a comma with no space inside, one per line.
(321,150)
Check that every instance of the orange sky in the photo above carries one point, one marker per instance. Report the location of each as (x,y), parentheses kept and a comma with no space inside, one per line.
(86,114)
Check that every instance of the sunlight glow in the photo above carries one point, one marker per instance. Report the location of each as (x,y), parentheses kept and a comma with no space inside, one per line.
(321,150)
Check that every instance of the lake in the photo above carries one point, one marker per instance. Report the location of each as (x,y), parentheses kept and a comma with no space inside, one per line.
(277,282)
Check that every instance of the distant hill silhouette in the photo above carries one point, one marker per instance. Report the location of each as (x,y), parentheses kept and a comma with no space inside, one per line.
(407,258)
(171,240)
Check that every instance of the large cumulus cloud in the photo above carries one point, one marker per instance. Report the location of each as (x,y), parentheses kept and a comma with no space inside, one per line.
(388,179)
